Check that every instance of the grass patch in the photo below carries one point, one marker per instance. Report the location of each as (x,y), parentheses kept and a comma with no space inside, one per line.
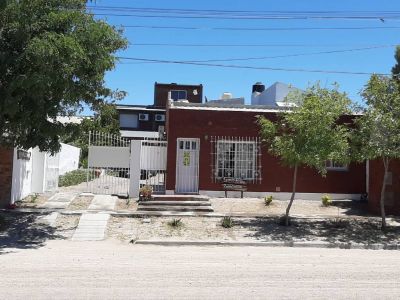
(175,223)
(74,177)
(227,222)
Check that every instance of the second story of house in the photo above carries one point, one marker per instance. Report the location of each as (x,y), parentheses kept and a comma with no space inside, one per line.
(148,121)
(141,121)
(163,92)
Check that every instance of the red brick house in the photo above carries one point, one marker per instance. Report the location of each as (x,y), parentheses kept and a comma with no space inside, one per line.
(211,142)
(6,173)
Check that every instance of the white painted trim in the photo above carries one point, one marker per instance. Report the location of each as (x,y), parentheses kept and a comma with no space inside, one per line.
(226,108)
(138,108)
(139,134)
(280,195)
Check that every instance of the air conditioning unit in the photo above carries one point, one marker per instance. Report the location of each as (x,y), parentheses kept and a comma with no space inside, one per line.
(143,117)
(160,118)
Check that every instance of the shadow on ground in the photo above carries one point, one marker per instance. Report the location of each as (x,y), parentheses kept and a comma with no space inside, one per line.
(336,230)
(25,231)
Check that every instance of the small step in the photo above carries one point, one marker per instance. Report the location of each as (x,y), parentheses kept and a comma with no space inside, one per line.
(179,198)
(176,208)
(176,203)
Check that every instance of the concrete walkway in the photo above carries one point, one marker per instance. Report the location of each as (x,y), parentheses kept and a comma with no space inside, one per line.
(50,219)
(91,227)
(103,202)
(59,200)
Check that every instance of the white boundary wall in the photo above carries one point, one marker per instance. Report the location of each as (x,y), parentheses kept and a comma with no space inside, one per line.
(22,177)
(29,176)
(69,158)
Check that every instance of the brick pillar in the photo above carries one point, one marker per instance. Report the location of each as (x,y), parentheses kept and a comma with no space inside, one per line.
(6,168)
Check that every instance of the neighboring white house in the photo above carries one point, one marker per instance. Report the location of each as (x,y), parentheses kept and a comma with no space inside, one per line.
(273,96)
(37,172)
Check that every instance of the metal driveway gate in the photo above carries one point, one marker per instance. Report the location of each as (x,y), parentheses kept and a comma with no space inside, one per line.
(108,169)
(153,164)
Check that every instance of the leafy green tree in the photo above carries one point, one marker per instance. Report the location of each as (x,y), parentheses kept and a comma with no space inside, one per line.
(309,134)
(396,68)
(377,135)
(53,58)
(104,120)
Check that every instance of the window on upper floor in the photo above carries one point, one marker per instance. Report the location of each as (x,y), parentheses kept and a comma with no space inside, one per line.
(127,120)
(178,95)
(331,165)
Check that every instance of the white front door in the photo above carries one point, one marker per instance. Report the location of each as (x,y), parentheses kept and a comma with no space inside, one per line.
(187,166)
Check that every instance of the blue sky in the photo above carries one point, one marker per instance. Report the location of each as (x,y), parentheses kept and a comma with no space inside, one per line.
(138,79)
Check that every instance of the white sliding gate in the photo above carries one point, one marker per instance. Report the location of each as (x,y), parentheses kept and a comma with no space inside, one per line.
(108,169)
(118,166)
(153,164)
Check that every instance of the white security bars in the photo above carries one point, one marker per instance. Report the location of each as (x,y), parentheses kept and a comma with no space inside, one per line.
(108,164)
(236,158)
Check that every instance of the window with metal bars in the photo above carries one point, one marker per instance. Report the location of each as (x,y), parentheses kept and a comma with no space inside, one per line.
(236,158)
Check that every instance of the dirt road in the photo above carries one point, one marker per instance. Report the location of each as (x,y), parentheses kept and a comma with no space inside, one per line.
(104,270)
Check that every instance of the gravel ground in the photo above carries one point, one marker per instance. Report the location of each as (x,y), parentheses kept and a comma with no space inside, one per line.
(66,225)
(126,204)
(33,201)
(111,270)
(80,203)
(278,207)
(252,230)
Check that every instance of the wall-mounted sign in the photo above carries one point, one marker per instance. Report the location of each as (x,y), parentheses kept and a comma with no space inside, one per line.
(186,158)
(22,154)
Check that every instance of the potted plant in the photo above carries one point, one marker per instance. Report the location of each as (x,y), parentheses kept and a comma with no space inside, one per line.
(145,193)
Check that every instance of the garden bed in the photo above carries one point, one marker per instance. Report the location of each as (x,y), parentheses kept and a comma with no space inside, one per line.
(332,230)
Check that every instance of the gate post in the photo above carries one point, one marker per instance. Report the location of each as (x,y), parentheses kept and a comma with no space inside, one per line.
(134,164)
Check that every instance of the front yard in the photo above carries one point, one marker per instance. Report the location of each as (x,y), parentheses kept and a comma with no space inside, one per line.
(331,230)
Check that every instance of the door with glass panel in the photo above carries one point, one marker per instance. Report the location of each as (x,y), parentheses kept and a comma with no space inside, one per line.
(187,166)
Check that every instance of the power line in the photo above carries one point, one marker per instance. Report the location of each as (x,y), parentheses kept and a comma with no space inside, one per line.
(283,17)
(248,67)
(292,55)
(260,28)
(252,45)
(231,14)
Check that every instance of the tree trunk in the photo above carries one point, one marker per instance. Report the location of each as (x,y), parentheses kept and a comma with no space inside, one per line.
(386,162)
(292,197)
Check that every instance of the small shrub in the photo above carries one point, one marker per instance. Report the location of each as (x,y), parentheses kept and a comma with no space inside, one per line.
(227,222)
(34,197)
(145,192)
(175,223)
(75,177)
(326,200)
(340,223)
(268,200)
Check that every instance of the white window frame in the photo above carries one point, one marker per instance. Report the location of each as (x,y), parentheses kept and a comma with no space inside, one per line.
(240,159)
(179,91)
(332,166)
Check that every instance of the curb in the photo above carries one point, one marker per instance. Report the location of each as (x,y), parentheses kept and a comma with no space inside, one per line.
(173,214)
(271,244)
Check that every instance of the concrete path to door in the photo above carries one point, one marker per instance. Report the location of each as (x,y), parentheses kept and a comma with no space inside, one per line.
(103,202)
(91,227)
(60,200)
